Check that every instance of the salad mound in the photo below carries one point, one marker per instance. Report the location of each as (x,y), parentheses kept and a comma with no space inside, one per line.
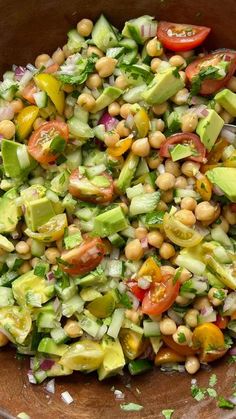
(118,202)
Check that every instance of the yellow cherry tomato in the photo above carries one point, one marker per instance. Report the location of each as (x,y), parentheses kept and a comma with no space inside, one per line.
(204,188)
(179,233)
(25,120)
(132,343)
(167,355)
(17,322)
(142,123)
(120,147)
(51,231)
(150,268)
(84,355)
(209,340)
(52,87)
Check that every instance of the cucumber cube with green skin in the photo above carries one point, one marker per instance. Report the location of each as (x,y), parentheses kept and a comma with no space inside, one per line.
(227,100)
(103,34)
(164,85)
(11,163)
(143,204)
(127,172)
(209,128)
(110,222)
(79,129)
(75,41)
(109,95)
(38,212)
(48,346)
(93,278)
(133,28)
(113,361)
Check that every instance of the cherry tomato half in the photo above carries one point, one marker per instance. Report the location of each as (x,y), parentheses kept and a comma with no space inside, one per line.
(181,36)
(185,138)
(40,141)
(136,290)
(210,85)
(160,296)
(98,190)
(183,350)
(83,258)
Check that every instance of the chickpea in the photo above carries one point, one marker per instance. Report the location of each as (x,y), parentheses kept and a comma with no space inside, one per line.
(154,48)
(22,248)
(183,76)
(134,250)
(189,122)
(160,109)
(94,50)
(190,168)
(3,340)
(231,85)
(212,296)
(155,238)
(41,60)
(183,336)
(167,196)
(25,267)
(85,27)
(181,182)
(172,167)
(141,147)
(187,54)
(52,253)
(156,139)
(7,129)
(73,229)
(26,256)
(188,203)
(114,109)
(66,51)
(177,61)
(153,160)
(226,117)
(105,66)
(111,138)
(58,56)
(182,301)
(68,111)
(191,318)
(132,315)
(94,81)
(204,211)
(141,233)
(201,303)
(181,97)
(192,364)
(125,110)
(167,270)
(160,124)
(121,82)
(167,326)
(167,251)
(155,63)
(86,101)
(122,130)
(186,217)
(17,105)
(73,329)
(165,181)
(229,215)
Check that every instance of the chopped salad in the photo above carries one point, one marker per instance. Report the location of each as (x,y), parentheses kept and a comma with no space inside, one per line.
(118,202)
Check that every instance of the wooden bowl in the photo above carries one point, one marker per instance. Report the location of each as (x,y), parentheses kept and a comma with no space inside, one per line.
(29,28)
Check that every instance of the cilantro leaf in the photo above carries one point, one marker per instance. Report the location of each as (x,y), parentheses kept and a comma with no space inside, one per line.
(131,407)
(181,337)
(220,294)
(212,380)
(80,71)
(211,392)
(231,359)
(224,403)
(197,392)
(124,300)
(167,413)
(209,72)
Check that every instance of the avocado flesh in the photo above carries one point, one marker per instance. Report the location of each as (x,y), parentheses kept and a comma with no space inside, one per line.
(9,214)
(225,179)
(110,222)
(227,100)
(109,95)
(11,164)
(164,85)
(209,128)
(113,360)
(181,151)
(38,212)
(29,283)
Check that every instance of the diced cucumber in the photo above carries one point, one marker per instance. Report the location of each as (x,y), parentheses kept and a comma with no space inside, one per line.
(93,278)
(115,52)
(116,322)
(183,193)
(6,297)
(48,346)
(80,129)
(128,43)
(59,335)
(127,324)
(144,203)
(116,240)
(41,99)
(115,268)
(89,294)
(75,41)
(151,329)
(81,114)
(130,57)
(193,265)
(140,28)
(134,94)
(103,35)
(88,325)
(135,191)
(218,234)
(139,366)
(74,304)
(46,320)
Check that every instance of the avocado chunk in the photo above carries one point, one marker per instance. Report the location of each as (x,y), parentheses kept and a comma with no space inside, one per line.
(103,34)
(164,85)
(113,361)
(225,179)
(48,346)
(9,214)
(30,289)
(109,95)
(209,128)
(38,212)
(127,172)
(103,306)
(13,164)
(110,222)
(181,151)
(227,100)
(58,370)
(93,278)
(134,28)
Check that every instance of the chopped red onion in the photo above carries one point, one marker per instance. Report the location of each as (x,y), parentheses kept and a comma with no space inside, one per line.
(144,283)
(111,80)
(161,169)
(6,112)
(135,301)
(205,311)
(217,190)
(50,276)
(144,243)
(19,72)
(108,121)
(232,399)
(66,397)
(228,135)
(205,112)
(93,251)
(31,377)
(119,395)
(50,387)
(174,316)
(232,351)
(227,58)
(148,353)
(47,364)
(115,254)
(31,363)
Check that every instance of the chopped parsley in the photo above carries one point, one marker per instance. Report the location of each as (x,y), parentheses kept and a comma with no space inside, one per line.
(131,407)
(81,70)
(41,269)
(167,413)
(219,294)
(177,275)
(181,337)
(211,392)
(224,403)
(58,144)
(198,393)
(124,300)
(175,73)
(209,72)
(212,380)
(231,359)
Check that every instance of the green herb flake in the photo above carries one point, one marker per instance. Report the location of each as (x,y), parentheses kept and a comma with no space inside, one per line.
(131,407)
(177,275)
(211,392)
(41,269)
(220,294)
(181,337)
(208,72)
(231,359)
(175,73)
(124,300)
(167,413)
(224,403)
(83,67)
(212,380)
(197,392)
(58,144)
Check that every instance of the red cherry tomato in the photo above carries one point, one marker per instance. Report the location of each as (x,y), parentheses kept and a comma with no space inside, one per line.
(160,296)
(136,290)
(83,258)
(184,138)
(221,321)
(89,190)
(209,85)
(181,36)
(39,142)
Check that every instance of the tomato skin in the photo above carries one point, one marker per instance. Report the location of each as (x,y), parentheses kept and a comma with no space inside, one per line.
(82,262)
(101,194)
(209,86)
(167,355)
(28,91)
(160,296)
(35,146)
(184,138)
(221,321)
(181,43)
(136,290)
(183,350)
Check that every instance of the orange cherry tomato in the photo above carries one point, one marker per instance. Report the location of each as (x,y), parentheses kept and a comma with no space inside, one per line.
(40,140)
(51,69)
(209,341)
(166,355)
(120,147)
(83,258)
(150,268)
(216,153)
(204,188)
(183,350)
(28,92)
